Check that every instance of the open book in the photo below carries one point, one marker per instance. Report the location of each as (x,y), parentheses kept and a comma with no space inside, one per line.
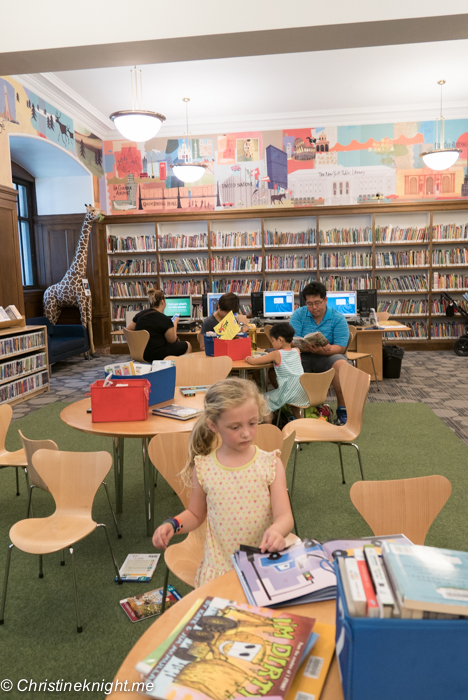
(316,338)
(302,573)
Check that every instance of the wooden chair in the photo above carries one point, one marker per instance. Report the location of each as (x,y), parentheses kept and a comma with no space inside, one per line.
(354,356)
(137,342)
(198,369)
(10,459)
(34,480)
(383,316)
(316,386)
(409,506)
(355,387)
(73,479)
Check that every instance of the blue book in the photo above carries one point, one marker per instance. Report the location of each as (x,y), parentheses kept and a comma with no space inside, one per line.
(428,579)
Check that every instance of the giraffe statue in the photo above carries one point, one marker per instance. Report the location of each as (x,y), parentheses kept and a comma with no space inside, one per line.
(70,291)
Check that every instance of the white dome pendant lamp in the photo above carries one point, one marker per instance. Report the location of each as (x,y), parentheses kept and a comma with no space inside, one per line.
(137,124)
(440,158)
(187,171)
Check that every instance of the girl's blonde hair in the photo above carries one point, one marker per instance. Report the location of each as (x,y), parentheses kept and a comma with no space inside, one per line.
(155,296)
(220,397)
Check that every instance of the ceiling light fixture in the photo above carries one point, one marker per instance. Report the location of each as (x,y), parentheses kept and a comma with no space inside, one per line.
(137,124)
(440,158)
(188,171)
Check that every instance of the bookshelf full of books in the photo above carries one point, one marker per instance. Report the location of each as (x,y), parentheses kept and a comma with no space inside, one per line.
(24,367)
(409,252)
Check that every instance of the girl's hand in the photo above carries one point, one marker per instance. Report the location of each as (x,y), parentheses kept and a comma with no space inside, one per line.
(247,359)
(272,541)
(162,535)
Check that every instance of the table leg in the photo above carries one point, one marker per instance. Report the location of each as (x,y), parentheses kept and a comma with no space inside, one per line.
(149,488)
(264,379)
(118,472)
(243,373)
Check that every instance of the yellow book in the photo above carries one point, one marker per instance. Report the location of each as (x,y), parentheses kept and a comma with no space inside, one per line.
(310,678)
(228,328)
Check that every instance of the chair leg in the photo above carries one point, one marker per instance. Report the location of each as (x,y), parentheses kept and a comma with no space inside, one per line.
(166,579)
(375,373)
(79,628)
(112,510)
(41,571)
(156,479)
(294,468)
(5,584)
(62,561)
(278,419)
(116,567)
(341,461)
(294,517)
(352,444)
(30,508)
(17,482)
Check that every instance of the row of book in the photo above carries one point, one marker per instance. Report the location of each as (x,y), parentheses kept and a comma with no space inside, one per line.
(237,286)
(447,330)
(183,265)
(135,288)
(118,243)
(288,238)
(171,288)
(454,232)
(23,386)
(405,306)
(340,283)
(439,307)
(11,313)
(406,258)
(454,256)
(19,343)
(252,263)
(23,365)
(403,283)
(418,329)
(290,262)
(171,241)
(390,234)
(293,285)
(343,236)
(236,239)
(141,266)
(119,310)
(345,259)
(449,281)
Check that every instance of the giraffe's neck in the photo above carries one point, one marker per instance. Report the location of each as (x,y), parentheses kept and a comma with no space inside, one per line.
(81,255)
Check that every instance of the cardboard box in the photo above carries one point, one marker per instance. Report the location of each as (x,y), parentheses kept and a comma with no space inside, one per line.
(162,384)
(113,404)
(385,659)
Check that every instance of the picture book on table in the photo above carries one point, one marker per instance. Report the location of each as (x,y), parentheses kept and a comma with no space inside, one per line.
(140,607)
(177,412)
(302,573)
(232,650)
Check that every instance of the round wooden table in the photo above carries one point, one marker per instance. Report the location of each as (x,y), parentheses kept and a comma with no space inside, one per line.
(75,415)
(226,586)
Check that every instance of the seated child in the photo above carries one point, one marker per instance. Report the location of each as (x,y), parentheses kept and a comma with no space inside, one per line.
(288,368)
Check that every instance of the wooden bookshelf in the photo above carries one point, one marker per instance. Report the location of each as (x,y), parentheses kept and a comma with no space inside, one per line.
(24,363)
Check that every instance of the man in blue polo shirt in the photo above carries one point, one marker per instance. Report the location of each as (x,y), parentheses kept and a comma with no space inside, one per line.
(317,316)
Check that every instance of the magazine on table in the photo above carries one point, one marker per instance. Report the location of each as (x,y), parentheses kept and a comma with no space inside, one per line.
(302,573)
(140,607)
(177,412)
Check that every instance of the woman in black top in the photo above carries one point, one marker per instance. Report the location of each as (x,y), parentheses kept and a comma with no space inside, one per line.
(163,339)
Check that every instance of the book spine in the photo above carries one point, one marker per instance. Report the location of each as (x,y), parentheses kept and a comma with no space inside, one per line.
(382,589)
(356,588)
(372,606)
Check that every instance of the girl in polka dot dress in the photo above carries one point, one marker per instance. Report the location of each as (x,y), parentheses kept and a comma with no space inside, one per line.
(238,488)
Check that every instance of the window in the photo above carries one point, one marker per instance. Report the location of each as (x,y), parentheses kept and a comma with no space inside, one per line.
(25,209)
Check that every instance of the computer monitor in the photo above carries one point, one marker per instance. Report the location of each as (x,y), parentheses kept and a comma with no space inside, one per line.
(366,300)
(212,302)
(344,302)
(256,300)
(179,305)
(278,304)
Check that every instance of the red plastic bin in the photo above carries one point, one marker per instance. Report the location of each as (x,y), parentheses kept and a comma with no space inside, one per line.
(122,401)
(236,349)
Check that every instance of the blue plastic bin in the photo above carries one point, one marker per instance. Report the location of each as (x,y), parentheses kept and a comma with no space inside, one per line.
(162,384)
(386,659)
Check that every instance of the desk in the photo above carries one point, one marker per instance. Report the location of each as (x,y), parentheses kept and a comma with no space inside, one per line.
(226,586)
(76,416)
(370,341)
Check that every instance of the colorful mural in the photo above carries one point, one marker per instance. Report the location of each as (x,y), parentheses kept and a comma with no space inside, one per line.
(290,168)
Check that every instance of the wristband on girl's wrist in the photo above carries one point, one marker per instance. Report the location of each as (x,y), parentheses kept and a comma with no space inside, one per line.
(176,524)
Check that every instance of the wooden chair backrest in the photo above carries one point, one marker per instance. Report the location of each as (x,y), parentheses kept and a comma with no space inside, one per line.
(73,478)
(197,368)
(30,447)
(409,506)
(201,341)
(169,452)
(355,387)
(137,342)
(267,328)
(352,339)
(288,443)
(316,386)
(6,413)
(383,316)
(269,437)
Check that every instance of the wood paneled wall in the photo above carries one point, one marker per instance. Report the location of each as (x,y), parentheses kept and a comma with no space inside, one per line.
(11,288)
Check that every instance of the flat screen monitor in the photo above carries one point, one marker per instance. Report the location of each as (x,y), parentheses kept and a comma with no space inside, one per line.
(279,304)
(212,302)
(344,302)
(366,300)
(256,300)
(179,305)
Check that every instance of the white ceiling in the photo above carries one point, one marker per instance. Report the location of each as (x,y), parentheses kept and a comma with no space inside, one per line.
(317,88)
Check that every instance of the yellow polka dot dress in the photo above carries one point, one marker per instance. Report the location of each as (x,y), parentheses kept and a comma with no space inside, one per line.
(238,506)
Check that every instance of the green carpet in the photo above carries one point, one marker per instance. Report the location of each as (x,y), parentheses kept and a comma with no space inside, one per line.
(38,638)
